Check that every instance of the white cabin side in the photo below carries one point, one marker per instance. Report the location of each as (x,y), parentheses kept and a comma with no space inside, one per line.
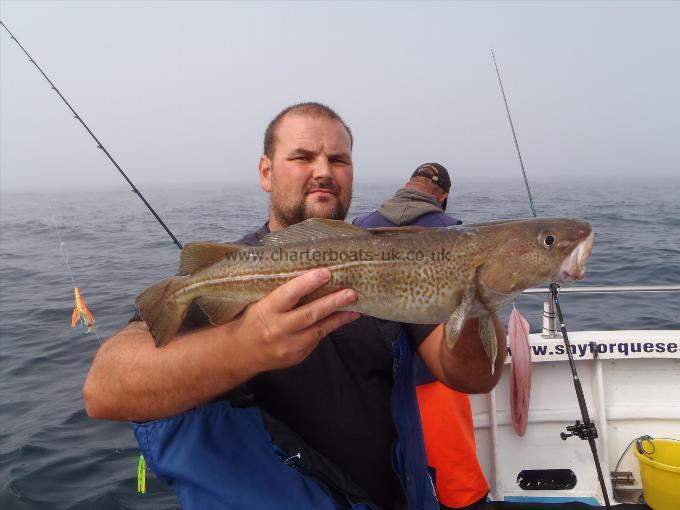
(631,386)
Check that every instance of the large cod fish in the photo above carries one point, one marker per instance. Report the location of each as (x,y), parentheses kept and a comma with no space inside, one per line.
(406,274)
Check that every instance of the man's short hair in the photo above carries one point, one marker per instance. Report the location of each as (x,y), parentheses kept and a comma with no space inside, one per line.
(309,109)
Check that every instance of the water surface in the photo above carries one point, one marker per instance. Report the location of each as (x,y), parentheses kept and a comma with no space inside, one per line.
(53,456)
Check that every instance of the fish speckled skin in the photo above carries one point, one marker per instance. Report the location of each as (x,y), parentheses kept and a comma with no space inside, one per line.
(425,276)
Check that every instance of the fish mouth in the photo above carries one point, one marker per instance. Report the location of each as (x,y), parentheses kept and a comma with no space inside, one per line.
(573,267)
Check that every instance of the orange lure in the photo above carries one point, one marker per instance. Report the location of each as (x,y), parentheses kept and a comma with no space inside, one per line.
(82,312)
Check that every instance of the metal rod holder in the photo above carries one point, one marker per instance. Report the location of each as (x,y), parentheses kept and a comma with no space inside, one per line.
(549,330)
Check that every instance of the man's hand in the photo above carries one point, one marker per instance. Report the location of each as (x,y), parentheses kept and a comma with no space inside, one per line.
(130,379)
(278,335)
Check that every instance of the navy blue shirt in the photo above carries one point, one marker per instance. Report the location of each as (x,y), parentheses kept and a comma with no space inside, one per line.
(433,219)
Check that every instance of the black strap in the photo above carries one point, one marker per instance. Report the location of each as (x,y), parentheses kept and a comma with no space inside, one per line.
(306,459)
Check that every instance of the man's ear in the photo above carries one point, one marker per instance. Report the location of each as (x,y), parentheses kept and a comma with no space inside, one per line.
(265,169)
(442,197)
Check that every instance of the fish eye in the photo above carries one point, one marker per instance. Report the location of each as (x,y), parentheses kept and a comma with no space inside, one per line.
(549,240)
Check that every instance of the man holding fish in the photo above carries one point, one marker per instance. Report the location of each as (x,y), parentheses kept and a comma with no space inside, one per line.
(289,396)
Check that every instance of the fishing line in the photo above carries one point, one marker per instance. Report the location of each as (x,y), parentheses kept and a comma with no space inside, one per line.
(99,144)
(76,289)
(141,469)
(65,257)
(586,430)
(514,135)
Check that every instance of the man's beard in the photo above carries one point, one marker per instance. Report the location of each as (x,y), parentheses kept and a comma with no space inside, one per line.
(290,214)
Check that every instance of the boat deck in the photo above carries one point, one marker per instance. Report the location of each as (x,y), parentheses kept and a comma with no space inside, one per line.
(572,505)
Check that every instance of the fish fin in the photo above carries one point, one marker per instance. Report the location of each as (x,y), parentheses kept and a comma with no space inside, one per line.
(313,230)
(455,323)
(495,222)
(196,256)
(487,332)
(163,316)
(382,231)
(219,310)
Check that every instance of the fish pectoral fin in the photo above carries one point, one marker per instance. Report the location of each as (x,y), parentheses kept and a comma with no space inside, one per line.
(454,325)
(196,256)
(313,230)
(220,310)
(487,333)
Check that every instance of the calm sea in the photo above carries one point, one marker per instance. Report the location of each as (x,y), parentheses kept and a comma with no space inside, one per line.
(53,456)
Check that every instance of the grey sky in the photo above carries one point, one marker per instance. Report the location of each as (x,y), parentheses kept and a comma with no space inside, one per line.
(182,91)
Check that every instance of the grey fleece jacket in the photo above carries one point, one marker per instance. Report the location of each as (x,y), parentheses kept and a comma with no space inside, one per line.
(407,205)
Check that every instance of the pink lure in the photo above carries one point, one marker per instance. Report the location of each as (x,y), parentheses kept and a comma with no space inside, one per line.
(520,370)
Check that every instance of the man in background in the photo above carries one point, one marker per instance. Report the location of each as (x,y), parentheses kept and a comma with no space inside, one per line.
(421,202)
(446,414)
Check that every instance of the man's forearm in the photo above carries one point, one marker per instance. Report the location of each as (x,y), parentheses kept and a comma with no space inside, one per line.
(130,379)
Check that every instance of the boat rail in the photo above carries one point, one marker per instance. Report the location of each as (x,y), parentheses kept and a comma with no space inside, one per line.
(611,289)
(549,330)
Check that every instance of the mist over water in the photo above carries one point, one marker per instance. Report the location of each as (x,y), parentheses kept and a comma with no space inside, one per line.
(53,456)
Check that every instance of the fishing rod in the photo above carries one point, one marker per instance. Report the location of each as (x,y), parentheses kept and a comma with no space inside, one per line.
(586,430)
(514,135)
(99,144)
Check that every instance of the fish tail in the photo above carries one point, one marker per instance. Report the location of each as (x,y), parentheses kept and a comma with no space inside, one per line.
(162,313)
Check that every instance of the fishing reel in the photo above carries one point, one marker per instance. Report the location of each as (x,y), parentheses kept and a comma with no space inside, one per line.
(580,430)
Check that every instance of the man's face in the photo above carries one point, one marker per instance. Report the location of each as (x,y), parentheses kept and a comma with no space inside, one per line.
(310,173)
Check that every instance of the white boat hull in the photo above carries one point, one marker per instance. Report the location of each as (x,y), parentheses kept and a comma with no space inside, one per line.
(631,386)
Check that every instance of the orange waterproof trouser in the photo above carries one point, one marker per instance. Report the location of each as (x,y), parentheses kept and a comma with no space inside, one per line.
(450,444)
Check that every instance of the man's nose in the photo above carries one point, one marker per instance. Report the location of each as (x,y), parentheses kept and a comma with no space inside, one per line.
(322,168)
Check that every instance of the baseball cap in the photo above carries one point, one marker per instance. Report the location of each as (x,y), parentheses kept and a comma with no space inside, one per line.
(437,174)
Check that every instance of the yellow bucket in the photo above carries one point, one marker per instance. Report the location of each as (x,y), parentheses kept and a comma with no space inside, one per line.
(660,471)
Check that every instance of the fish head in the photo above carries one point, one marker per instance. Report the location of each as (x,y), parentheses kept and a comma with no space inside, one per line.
(525,253)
